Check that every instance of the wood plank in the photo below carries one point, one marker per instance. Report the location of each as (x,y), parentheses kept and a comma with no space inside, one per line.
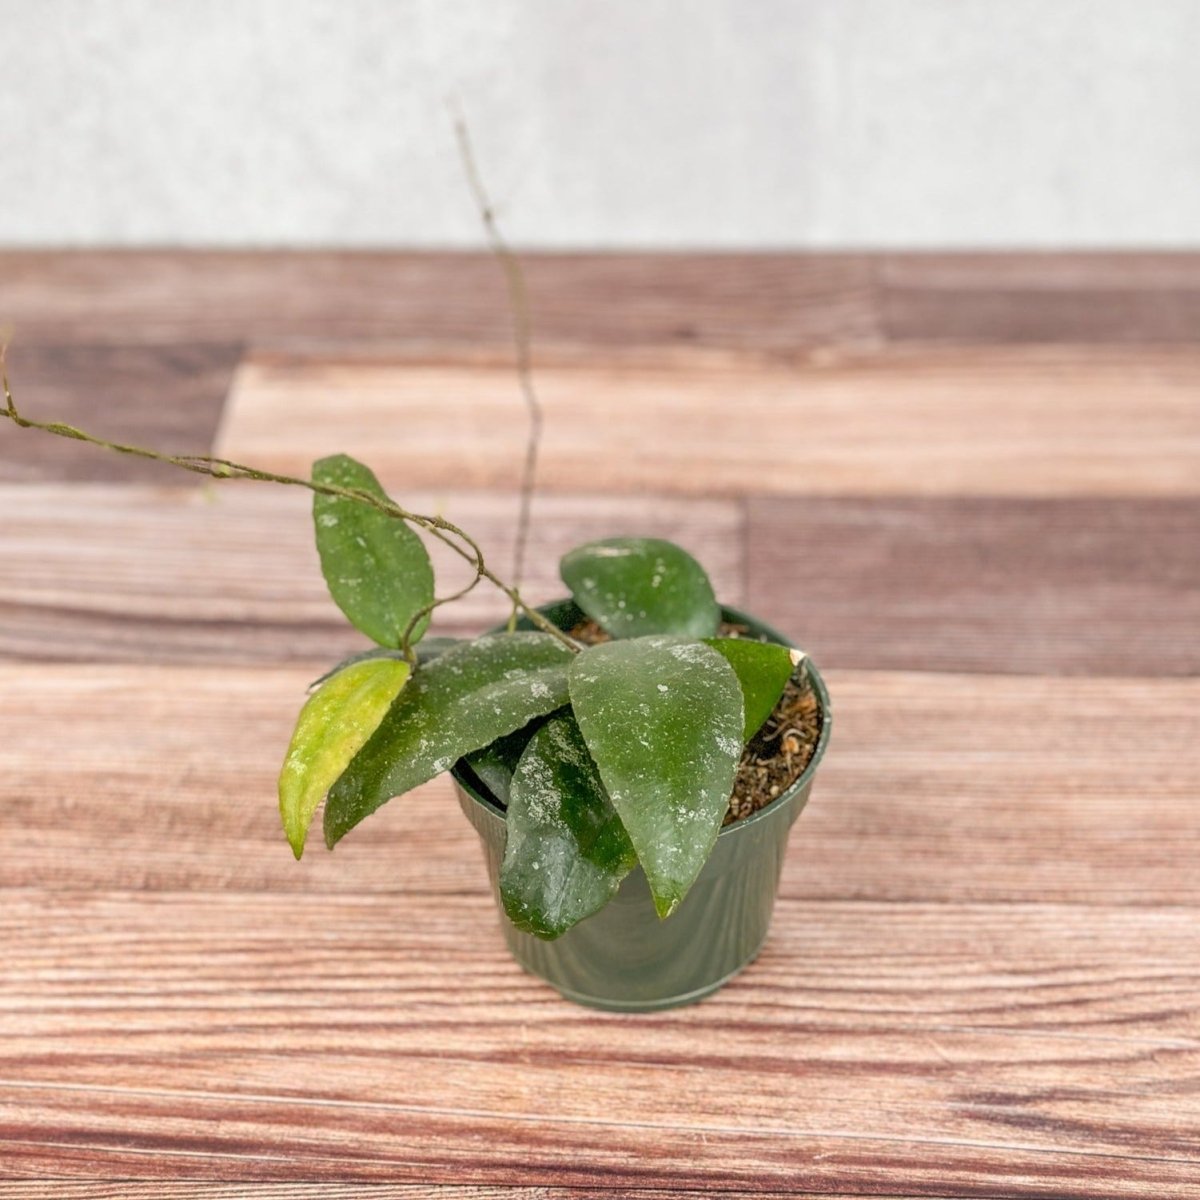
(229,574)
(1048,421)
(1103,298)
(1071,1177)
(758,302)
(127,1189)
(1067,586)
(936,788)
(771,303)
(168,397)
(1025,1047)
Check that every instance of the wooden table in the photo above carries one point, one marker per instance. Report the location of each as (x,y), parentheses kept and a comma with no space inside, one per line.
(969,485)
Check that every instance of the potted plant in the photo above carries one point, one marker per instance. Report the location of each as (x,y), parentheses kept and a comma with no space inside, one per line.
(595,745)
(632,757)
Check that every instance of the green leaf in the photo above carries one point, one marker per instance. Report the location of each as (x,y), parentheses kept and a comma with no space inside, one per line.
(663,719)
(763,669)
(376,567)
(333,725)
(639,586)
(495,763)
(435,647)
(464,699)
(567,850)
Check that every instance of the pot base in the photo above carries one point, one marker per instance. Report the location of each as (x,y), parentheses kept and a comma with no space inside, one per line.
(608,1004)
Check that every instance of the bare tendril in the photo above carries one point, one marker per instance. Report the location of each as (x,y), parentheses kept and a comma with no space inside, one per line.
(427,610)
(522,329)
(222,468)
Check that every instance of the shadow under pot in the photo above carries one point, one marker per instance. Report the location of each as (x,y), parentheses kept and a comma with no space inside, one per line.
(624,958)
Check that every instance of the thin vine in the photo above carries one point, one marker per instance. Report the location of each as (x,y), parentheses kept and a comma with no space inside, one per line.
(222,468)
(454,537)
(518,302)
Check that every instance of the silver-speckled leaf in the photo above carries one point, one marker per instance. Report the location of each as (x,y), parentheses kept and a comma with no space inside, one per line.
(663,719)
(464,699)
(566,851)
(639,586)
(376,567)
(495,763)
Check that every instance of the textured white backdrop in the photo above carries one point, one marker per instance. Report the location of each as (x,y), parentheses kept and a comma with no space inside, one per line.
(740,123)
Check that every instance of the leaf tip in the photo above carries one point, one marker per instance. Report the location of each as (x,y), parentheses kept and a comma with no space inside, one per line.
(330,462)
(295,828)
(333,835)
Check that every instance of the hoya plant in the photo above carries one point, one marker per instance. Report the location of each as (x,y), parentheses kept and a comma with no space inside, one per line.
(606,753)
(607,748)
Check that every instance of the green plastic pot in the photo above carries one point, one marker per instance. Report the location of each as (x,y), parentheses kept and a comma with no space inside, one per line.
(624,958)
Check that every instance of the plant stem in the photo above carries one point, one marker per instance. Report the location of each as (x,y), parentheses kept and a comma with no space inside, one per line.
(518,298)
(221,468)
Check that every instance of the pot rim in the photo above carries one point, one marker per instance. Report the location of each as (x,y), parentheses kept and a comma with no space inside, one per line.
(738,617)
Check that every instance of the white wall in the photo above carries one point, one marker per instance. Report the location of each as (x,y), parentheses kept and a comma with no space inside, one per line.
(602,122)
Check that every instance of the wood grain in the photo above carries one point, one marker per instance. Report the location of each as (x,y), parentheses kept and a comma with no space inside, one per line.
(1046,422)
(936,788)
(169,397)
(1094,298)
(62,1188)
(229,574)
(765,303)
(127,1189)
(201,1031)
(983,978)
(1074,586)
(130,573)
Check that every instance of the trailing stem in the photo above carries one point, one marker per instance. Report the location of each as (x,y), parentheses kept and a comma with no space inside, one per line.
(454,537)
(221,468)
(518,298)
